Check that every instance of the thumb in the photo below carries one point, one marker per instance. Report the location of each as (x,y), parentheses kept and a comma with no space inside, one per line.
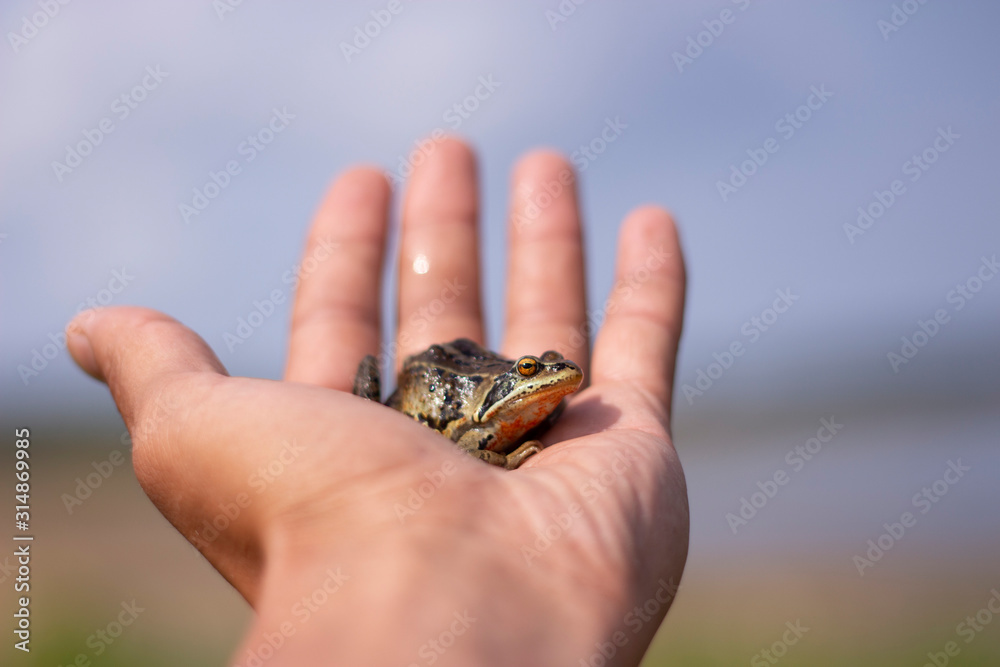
(160,373)
(137,351)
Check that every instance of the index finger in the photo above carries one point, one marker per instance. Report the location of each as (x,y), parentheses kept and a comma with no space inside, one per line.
(335,319)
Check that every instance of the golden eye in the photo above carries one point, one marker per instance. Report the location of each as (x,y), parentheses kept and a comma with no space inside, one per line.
(527,366)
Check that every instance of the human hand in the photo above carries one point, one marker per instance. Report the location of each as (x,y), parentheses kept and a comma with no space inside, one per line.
(549,560)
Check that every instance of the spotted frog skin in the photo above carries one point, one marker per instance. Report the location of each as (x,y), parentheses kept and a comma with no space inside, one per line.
(482,401)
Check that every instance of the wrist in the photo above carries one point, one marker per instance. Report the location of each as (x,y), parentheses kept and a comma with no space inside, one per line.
(368,603)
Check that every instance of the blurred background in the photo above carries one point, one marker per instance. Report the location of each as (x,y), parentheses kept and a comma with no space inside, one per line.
(833,167)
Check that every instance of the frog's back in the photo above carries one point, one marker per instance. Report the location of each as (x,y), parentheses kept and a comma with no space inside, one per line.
(439,386)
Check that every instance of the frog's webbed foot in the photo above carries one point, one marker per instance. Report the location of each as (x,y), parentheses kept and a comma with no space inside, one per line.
(367,383)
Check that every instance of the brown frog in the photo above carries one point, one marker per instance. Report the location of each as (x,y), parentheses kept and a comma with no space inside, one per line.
(482,401)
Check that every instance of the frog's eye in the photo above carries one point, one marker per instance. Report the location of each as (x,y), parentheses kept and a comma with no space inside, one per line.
(551,356)
(527,366)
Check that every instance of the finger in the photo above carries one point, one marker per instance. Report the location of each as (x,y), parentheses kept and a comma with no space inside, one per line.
(335,320)
(546,293)
(136,351)
(638,340)
(161,374)
(439,251)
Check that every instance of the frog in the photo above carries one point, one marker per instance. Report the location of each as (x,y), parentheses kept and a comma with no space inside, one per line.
(492,407)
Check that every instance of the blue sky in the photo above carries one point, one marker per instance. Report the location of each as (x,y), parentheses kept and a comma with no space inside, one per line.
(196,85)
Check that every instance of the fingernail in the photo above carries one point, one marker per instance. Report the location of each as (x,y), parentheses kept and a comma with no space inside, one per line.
(78,342)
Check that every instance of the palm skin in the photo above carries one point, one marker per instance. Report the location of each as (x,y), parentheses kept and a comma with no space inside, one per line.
(548,559)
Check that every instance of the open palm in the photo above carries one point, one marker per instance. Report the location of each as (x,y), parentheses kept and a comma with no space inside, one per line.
(297,491)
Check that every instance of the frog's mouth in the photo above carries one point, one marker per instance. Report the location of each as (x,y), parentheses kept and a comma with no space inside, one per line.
(511,402)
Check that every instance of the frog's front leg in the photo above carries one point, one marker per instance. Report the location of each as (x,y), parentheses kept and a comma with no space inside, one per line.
(521,454)
(476,441)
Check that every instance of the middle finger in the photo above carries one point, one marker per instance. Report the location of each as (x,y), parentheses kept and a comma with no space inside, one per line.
(546,293)
(439,252)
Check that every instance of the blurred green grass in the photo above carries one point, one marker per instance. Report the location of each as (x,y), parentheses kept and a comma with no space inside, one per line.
(116,547)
